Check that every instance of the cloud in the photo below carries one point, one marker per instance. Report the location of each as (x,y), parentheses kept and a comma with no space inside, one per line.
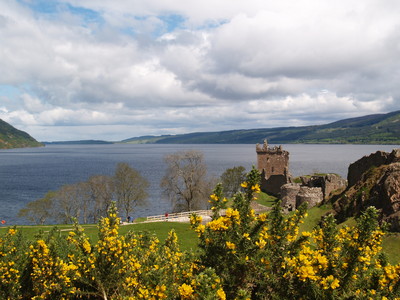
(161,67)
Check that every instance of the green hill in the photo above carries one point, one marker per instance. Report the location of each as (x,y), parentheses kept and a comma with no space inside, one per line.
(11,137)
(371,129)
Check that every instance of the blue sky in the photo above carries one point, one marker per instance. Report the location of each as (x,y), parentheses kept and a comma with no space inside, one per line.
(104,69)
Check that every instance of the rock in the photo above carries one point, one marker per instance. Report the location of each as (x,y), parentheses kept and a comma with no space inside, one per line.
(379,158)
(378,186)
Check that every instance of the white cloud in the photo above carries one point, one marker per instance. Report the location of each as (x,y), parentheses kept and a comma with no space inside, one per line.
(158,67)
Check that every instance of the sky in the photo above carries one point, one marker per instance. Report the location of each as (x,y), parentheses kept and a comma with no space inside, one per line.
(112,70)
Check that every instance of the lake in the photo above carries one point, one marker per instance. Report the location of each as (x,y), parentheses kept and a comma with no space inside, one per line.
(27,174)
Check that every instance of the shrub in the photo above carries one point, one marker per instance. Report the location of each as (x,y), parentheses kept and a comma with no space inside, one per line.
(265,257)
(241,256)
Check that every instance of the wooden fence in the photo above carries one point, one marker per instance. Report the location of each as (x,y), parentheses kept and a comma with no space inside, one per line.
(173,216)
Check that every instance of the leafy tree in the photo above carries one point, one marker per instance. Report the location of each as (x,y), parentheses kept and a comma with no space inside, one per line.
(231,180)
(38,211)
(185,181)
(130,188)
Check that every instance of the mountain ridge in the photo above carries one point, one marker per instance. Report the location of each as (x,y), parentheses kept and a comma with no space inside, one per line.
(368,129)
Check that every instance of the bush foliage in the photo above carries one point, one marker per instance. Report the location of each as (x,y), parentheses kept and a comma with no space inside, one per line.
(241,255)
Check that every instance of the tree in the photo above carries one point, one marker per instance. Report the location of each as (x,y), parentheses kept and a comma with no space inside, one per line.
(67,203)
(101,189)
(185,181)
(130,188)
(38,211)
(231,180)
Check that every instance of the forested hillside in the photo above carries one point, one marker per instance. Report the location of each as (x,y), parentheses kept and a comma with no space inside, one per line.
(11,137)
(371,129)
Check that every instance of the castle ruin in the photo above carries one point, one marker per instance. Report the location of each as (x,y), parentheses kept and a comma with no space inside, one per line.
(273,163)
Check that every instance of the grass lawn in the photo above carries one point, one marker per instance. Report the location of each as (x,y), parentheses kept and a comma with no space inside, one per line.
(266,200)
(188,238)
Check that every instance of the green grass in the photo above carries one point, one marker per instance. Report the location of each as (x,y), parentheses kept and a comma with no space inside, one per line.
(266,200)
(188,238)
(314,216)
(391,246)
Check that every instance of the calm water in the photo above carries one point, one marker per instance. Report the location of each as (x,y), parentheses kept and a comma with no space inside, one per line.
(27,174)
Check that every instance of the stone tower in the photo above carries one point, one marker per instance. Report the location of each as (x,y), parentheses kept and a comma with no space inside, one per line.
(273,163)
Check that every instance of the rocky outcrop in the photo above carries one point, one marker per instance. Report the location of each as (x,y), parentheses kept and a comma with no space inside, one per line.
(378,185)
(379,158)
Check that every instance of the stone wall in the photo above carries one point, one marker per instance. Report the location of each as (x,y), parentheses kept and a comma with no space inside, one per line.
(313,189)
(273,163)
(312,195)
(289,192)
(328,183)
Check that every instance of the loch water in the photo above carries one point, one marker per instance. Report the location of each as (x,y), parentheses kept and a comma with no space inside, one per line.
(28,174)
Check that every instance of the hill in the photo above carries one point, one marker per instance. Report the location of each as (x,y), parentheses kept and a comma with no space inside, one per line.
(80,142)
(370,129)
(11,137)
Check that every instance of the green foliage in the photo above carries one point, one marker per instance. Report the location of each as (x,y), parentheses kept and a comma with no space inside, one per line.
(264,257)
(11,137)
(231,180)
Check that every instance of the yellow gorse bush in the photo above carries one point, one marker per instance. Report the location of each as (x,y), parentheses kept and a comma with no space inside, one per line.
(241,255)
(265,256)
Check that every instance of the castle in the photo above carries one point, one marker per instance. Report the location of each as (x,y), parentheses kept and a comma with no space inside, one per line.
(273,163)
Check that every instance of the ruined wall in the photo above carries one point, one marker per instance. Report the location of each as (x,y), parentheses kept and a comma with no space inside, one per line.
(328,183)
(312,195)
(289,192)
(273,163)
(313,189)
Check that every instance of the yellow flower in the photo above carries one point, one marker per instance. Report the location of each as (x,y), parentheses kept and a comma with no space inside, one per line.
(12,231)
(330,282)
(230,245)
(244,184)
(373,292)
(214,197)
(262,217)
(256,188)
(221,294)
(232,213)
(186,291)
